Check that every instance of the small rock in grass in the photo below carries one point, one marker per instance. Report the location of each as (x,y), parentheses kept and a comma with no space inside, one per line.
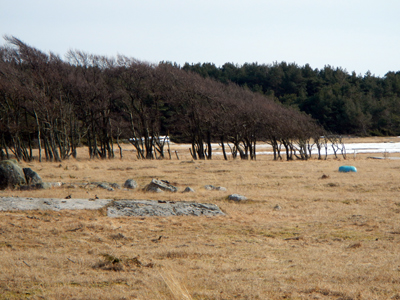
(237,197)
(209,187)
(214,188)
(188,190)
(115,186)
(130,184)
(162,185)
(105,186)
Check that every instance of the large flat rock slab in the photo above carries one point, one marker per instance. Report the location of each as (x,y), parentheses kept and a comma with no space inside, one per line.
(120,208)
(147,208)
(26,203)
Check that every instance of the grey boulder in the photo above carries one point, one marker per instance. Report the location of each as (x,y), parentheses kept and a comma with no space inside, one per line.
(237,197)
(130,184)
(11,174)
(160,184)
(31,176)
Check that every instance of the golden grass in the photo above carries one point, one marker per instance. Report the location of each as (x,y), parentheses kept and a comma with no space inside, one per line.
(334,238)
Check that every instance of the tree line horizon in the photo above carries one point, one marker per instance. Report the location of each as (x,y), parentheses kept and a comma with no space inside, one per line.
(341,102)
(57,105)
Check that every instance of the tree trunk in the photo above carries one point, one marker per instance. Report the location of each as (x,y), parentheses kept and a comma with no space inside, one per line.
(209,154)
(39,141)
(223,148)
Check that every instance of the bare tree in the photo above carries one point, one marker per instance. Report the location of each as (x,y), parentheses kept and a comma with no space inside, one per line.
(93,97)
(142,99)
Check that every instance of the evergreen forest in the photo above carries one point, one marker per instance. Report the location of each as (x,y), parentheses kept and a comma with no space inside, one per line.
(341,102)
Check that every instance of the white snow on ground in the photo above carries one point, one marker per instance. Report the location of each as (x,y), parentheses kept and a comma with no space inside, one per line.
(373,147)
(350,148)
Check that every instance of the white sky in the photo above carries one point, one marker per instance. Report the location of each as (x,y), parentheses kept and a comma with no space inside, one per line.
(357,35)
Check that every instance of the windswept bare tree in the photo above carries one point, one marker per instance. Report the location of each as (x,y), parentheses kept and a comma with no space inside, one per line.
(141,96)
(196,102)
(93,97)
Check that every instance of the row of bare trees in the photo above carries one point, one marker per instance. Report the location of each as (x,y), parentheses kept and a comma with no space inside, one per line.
(57,105)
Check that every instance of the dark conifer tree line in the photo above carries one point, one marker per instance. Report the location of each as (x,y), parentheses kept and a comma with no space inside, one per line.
(341,102)
(56,105)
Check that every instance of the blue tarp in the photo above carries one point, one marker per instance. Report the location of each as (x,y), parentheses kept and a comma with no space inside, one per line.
(347,169)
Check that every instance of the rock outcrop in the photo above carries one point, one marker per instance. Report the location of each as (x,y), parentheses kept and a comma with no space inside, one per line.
(143,208)
(23,203)
(158,185)
(121,208)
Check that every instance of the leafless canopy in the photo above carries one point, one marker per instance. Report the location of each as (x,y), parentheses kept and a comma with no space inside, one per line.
(58,105)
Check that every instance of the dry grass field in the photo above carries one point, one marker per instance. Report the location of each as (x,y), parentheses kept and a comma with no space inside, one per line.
(333,238)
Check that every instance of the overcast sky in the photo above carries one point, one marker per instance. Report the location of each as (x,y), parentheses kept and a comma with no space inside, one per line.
(356,35)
